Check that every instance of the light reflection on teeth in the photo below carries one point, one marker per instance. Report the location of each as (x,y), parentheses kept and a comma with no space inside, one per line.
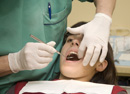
(69,57)
(72,53)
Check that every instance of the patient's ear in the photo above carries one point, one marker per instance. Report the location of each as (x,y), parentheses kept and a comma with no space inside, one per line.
(101,66)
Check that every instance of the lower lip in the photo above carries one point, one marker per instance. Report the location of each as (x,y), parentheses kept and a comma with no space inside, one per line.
(69,61)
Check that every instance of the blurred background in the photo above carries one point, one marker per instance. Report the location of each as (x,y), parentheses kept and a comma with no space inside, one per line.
(85,12)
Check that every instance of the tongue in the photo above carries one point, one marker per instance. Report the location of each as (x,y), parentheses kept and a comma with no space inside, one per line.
(72,57)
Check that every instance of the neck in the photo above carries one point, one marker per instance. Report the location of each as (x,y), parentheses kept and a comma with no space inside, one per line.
(84,79)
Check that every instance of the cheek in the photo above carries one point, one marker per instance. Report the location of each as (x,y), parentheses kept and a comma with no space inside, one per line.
(89,71)
(64,49)
(85,71)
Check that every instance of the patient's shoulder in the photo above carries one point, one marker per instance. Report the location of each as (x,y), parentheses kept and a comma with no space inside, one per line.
(118,90)
(15,89)
(19,86)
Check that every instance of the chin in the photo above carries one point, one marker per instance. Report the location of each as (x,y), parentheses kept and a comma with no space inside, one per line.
(70,72)
(70,76)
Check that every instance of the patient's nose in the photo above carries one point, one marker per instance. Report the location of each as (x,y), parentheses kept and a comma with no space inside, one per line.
(75,42)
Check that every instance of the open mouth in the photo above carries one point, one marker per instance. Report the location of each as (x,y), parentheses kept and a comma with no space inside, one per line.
(72,56)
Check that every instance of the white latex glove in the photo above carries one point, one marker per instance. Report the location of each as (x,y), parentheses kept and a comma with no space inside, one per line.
(32,56)
(96,35)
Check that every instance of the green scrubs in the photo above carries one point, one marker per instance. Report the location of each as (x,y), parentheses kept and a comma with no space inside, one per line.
(19,19)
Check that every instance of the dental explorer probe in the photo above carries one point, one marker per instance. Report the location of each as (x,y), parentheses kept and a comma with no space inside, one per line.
(35,38)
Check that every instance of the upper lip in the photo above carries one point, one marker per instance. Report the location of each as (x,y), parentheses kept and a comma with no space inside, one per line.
(72,50)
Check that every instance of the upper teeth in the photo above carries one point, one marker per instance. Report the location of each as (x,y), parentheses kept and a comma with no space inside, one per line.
(72,53)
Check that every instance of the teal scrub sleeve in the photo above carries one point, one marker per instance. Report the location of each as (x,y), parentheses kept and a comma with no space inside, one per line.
(87,0)
(19,19)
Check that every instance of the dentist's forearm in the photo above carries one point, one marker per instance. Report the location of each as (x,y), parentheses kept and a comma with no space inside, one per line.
(105,6)
(4,66)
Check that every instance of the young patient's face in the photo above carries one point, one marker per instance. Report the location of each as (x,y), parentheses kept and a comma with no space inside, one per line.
(70,66)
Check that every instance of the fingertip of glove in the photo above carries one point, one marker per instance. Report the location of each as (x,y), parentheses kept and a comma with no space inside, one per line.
(51,43)
(85,64)
(69,29)
(101,60)
(92,64)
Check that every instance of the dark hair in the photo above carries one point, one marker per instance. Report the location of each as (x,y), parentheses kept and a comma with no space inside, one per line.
(108,76)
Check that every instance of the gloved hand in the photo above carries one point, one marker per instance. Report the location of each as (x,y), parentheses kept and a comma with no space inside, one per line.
(96,35)
(32,56)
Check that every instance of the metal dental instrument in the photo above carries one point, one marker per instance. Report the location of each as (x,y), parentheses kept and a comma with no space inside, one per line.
(35,38)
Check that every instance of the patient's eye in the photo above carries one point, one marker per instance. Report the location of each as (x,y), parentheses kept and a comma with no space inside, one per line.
(69,40)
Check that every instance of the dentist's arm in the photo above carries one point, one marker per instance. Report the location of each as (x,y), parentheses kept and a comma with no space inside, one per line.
(4,66)
(96,33)
(105,6)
